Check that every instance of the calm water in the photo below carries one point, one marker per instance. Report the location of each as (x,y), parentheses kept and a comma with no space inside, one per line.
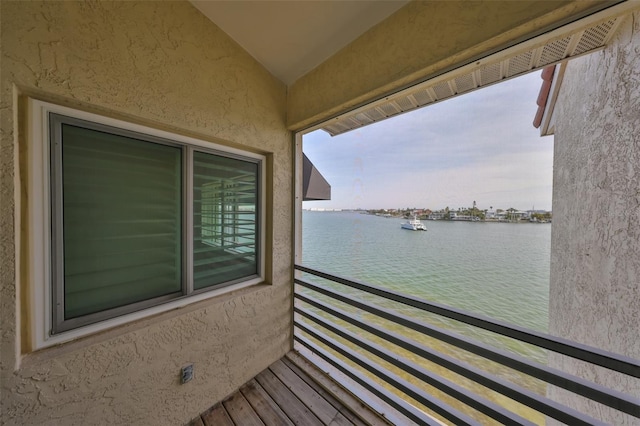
(496,269)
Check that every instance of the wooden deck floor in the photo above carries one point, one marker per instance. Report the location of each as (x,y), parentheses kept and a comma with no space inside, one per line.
(290,392)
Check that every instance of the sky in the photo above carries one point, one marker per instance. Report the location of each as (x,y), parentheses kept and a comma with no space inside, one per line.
(480,146)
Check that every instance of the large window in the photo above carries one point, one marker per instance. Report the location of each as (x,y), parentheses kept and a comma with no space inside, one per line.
(140,219)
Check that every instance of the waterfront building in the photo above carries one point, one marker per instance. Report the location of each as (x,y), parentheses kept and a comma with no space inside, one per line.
(518,215)
(178,288)
(465,217)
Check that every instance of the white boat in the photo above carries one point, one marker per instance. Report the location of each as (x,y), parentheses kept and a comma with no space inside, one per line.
(413,225)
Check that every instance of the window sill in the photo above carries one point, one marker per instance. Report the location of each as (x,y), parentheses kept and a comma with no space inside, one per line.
(97,333)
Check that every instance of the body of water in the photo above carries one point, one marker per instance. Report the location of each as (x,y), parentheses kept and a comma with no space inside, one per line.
(500,270)
(496,269)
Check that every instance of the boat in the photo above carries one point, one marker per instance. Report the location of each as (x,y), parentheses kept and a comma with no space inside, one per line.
(414,225)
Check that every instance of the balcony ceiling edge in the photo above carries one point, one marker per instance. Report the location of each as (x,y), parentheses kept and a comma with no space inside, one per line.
(307,90)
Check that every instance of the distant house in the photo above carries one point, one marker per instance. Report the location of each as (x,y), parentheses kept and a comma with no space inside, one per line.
(437,215)
(465,217)
(520,215)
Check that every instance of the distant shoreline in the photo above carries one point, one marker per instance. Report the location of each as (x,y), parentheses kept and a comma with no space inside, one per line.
(422,217)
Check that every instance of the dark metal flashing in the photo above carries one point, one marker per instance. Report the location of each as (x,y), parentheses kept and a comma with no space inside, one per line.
(314,186)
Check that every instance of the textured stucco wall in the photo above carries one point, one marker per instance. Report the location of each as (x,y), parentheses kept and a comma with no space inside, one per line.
(595,262)
(160,64)
(422,38)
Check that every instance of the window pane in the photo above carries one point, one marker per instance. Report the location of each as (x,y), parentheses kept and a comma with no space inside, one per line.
(122,220)
(225,195)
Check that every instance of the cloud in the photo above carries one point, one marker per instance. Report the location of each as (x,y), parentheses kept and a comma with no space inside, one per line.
(480,146)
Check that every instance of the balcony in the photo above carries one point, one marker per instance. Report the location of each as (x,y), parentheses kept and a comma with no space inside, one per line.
(340,332)
(291,391)
(383,374)
(188,78)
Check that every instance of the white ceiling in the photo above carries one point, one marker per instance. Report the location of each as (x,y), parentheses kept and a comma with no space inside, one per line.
(290,38)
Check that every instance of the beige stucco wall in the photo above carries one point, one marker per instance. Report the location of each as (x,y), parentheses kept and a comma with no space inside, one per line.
(420,40)
(595,262)
(164,65)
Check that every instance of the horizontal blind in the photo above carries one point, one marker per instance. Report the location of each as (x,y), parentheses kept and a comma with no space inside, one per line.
(122,211)
(225,197)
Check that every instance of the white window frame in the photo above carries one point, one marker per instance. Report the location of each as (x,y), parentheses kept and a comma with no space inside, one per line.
(39,224)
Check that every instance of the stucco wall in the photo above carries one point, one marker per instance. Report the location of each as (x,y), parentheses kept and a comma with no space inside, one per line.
(164,65)
(422,39)
(595,262)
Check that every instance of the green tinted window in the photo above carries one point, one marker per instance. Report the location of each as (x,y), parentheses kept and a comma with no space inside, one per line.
(120,230)
(225,195)
(122,220)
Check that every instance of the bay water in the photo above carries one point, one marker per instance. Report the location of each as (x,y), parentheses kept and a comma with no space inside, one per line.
(499,270)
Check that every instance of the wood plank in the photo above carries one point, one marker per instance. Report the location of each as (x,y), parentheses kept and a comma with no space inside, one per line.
(340,420)
(264,405)
(305,393)
(241,412)
(347,399)
(347,412)
(217,416)
(292,391)
(196,422)
(286,400)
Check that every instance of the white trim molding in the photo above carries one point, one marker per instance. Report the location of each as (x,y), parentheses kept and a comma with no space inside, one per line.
(39,309)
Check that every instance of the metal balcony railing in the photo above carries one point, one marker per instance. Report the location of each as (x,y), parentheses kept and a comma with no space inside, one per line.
(314,305)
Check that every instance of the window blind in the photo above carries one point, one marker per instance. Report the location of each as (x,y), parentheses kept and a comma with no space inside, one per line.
(121,208)
(225,195)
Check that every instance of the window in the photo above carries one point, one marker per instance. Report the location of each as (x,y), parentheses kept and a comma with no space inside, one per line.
(140,220)
(225,199)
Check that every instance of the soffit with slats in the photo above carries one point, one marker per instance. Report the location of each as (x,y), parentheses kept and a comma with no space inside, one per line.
(491,70)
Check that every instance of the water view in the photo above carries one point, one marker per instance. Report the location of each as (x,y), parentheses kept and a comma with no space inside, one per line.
(500,270)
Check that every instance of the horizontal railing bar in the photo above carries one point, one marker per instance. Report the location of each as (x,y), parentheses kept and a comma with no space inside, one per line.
(595,392)
(576,350)
(390,398)
(397,382)
(513,391)
(466,396)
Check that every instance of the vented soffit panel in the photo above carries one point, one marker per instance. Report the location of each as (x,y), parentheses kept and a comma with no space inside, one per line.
(510,63)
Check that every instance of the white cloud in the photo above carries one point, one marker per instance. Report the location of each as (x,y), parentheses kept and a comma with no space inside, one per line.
(479,146)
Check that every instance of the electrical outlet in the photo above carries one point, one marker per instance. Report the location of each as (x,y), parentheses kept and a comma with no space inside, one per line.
(186,374)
